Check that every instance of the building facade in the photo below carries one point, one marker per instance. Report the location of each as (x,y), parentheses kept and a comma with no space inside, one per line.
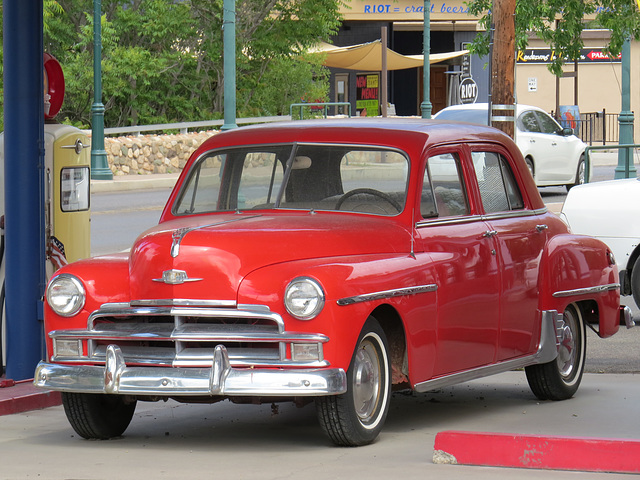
(595,87)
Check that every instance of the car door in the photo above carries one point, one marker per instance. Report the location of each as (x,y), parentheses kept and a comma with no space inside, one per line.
(563,170)
(520,234)
(465,264)
(540,137)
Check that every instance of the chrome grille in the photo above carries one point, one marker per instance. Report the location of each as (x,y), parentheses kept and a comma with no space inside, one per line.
(183,336)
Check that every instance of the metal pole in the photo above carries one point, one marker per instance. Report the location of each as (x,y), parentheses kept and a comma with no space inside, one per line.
(625,168)
(229,52)
(99,165)
(24,185)
(383,73)
(426,106)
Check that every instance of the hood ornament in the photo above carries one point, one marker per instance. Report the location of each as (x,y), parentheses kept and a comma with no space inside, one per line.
(175,277)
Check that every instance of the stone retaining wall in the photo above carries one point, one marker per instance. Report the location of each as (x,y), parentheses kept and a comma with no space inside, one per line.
(148,154)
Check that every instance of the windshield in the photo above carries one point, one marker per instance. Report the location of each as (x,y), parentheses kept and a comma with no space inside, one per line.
(296,176)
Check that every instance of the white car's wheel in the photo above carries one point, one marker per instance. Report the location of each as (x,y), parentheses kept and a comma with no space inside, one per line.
(580,174)
(635,281)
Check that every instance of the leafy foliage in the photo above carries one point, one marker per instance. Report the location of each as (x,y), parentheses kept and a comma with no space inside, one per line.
(162,61)
(560,24)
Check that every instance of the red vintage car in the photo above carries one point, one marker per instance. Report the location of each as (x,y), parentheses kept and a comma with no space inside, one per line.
(332,261)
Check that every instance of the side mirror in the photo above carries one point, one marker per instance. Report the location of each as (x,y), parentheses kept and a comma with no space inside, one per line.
(567,132)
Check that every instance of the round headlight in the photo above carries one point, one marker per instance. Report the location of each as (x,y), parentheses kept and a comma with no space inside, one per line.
(304,298)
(65,295)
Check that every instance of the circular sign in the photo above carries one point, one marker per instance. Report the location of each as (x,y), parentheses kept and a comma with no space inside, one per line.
(53,86)
(468,90)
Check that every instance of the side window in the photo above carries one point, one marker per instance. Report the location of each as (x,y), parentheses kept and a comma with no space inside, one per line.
(528,122)
(548,124)
(443,193)
(498,187)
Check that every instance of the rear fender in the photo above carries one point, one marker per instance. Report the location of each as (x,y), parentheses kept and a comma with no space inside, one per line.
(578,269)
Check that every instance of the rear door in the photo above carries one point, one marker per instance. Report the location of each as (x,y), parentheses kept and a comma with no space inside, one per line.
(465,264)
(520,234)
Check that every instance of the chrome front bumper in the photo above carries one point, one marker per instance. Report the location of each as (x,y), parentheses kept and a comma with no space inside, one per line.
(220,379)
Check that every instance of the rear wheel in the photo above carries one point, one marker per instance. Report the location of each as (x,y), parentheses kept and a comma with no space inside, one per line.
(98,416)
(357,416)
(560,378)
(580,174)
(529,163)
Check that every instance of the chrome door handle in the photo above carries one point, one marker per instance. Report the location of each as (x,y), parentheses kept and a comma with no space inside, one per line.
(489,233)
(541,228)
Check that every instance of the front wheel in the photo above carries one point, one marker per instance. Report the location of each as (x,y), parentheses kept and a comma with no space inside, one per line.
(356,417)
(560,378)
(98,416)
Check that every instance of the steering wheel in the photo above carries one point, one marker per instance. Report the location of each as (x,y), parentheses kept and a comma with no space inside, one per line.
(369,191)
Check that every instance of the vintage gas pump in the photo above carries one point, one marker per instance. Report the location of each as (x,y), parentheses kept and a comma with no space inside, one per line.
(67,184)
(67,181)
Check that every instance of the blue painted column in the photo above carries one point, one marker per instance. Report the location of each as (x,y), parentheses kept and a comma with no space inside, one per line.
(24,185)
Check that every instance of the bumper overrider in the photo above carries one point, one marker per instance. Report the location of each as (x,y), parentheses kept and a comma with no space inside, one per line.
(220,379)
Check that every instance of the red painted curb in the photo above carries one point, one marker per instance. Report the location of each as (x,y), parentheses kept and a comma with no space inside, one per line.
(18,397)
(542,452)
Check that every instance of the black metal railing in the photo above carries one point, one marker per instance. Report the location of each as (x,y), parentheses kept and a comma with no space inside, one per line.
(599,128)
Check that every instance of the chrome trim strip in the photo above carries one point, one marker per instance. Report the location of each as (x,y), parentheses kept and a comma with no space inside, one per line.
(219,379)
(179,234)
(586,290)
(124,310)
(547,352)
(398,292)
(474,218)
(448,220)
(173,302)
(185,336)
(509,214)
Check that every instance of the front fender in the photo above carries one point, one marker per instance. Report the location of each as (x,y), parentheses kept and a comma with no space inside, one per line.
(345,278)
(578,268)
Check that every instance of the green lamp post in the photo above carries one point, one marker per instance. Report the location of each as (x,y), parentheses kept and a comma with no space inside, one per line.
(625,168)
(99,166)
(426,105)
(229,65)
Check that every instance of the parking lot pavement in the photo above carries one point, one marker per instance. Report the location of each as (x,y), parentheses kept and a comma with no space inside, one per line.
(171,440)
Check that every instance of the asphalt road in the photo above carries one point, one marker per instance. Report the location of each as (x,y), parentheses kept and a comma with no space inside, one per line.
(282,442)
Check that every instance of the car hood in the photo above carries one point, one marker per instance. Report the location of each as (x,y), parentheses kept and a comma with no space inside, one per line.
(217,252)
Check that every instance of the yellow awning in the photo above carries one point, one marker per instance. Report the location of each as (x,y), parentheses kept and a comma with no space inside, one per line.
(368,57)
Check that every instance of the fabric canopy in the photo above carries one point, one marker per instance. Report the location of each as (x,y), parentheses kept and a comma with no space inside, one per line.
(368,56)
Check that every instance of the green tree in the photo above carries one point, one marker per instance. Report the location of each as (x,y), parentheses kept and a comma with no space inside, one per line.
(162,61)
(560,24)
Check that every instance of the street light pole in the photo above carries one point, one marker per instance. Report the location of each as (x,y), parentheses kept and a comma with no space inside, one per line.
(229,66)
(426,106)
(625,168)
(99,166)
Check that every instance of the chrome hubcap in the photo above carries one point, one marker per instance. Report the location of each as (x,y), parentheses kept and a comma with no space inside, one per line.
(366,381)
(567,352)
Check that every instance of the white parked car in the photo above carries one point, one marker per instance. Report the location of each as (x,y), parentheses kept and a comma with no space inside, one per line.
(554,155)
(610,211)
